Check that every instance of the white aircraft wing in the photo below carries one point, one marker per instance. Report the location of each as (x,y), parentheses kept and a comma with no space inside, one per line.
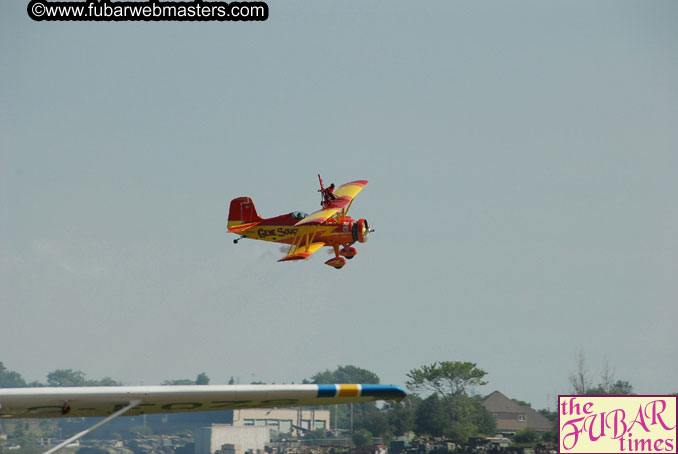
(114,401)
(107,400)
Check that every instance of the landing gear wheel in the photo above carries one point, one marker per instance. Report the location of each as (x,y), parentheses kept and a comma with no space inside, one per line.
(336,262)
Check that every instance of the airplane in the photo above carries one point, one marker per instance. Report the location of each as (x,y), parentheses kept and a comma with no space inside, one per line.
(115,401)
(330,226)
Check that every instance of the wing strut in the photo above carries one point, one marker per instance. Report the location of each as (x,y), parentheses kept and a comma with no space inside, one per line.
(78,436)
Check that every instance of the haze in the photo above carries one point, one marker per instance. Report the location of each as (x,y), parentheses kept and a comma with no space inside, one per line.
(521,159)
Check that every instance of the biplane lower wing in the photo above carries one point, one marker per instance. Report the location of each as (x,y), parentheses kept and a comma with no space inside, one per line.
(302,252)
(318,217)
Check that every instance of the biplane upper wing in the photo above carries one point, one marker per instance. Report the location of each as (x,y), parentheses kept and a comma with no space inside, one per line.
(114,401)
(344,196)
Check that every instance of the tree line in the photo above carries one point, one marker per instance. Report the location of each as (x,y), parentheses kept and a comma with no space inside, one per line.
(442,399)
(70,377)
(450,410)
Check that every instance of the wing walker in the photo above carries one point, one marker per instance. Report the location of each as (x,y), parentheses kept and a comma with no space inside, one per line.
(330,226)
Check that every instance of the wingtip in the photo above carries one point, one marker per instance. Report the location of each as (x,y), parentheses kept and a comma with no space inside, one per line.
(386,392)
(357,182)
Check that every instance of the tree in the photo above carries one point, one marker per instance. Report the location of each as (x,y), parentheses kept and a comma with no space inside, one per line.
(345,374)
(450,411)
(582,383)
(106,381)
(365,415)
(452,417)
(10,379)
(579,379)
(485,423)
(70,377)
(525,436)
(620,387)
(551,415)
(362,437)
(66,377)
(550,436)
(180,381)
(402,415)
(433,417)
(446,378)
(201,379)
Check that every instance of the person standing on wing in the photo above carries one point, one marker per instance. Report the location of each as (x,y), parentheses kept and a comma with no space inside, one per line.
(329,195)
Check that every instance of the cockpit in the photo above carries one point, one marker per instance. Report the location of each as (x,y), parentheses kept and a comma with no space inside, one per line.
(299,215)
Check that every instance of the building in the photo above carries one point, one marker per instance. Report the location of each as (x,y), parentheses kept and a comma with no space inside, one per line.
(251,429)
(283,420)
(209,440)
(511,417)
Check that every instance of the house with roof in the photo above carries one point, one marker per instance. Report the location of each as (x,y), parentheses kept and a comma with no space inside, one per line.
(511,417)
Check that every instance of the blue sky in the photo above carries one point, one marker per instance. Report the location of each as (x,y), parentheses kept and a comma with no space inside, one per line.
(521,159)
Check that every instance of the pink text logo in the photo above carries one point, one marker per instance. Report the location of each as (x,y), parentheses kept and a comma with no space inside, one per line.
(617,424)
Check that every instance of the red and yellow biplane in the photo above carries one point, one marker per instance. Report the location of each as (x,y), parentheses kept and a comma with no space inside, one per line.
(330,226)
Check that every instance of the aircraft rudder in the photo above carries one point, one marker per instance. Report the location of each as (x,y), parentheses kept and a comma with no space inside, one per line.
(242,211)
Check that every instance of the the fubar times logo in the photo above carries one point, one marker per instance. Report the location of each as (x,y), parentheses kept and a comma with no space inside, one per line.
(617,424)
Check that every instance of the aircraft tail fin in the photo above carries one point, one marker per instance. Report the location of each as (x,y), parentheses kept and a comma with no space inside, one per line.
(242,211)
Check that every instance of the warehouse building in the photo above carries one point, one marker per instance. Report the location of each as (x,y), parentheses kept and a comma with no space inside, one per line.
(251,429)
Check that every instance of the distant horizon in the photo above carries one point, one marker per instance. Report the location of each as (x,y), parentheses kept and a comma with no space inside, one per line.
(474,389)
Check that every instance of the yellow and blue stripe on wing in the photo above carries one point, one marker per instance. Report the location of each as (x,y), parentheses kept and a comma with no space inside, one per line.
(388,392)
